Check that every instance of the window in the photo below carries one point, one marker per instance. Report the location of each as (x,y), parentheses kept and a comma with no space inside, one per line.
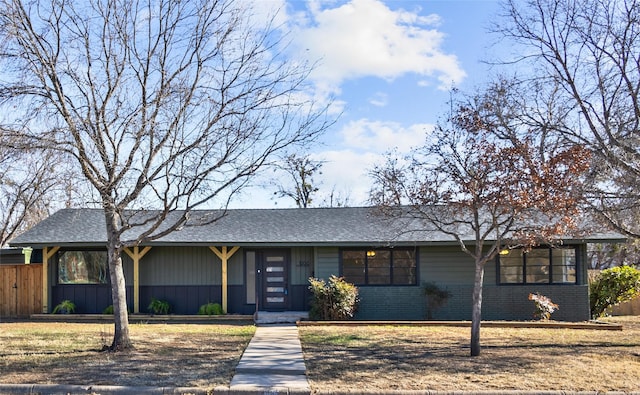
(538,266)
(82,267)
(379,267)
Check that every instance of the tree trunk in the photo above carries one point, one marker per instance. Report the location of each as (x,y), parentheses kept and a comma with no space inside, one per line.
(121,339)
(476,314)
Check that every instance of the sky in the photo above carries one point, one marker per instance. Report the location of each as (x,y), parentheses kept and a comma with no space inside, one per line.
(389,66)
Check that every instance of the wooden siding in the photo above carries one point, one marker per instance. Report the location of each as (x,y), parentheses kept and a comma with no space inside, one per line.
(88,298)
(301,265)
(235,268)
(181,266)
(448,265)
(327,262)
(183,299)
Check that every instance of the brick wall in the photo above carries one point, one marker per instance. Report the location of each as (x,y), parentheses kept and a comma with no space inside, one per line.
(499,303)
(391,303)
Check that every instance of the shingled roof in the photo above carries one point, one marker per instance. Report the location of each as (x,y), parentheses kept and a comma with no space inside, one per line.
(255,227)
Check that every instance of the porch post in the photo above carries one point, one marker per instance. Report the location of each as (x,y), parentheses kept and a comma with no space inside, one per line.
(136,255)
(46,255)
(224,256)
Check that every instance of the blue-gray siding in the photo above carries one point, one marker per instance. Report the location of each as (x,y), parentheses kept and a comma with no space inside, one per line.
(452,270)
(187,277)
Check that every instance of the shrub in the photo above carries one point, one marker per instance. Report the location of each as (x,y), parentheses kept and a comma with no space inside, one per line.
(334,299)
(613,286)
(159,306)
(65,307)
(211,309)
(108,309)
(544,306)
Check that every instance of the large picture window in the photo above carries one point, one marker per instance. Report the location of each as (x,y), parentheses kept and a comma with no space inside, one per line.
(82,267)
(538,266)
(379,267)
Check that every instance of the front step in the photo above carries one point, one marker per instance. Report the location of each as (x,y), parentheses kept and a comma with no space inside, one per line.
(280,317)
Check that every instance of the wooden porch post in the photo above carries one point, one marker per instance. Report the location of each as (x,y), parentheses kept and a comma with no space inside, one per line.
(224,256)
(136,255)
(46,255)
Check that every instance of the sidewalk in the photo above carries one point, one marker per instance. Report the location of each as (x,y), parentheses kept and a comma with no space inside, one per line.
(272,363)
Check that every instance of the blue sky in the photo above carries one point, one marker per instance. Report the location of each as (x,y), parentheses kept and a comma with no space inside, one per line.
(389,66)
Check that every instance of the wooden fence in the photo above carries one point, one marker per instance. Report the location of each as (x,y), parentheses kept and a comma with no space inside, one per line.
(20,290)
(631,307)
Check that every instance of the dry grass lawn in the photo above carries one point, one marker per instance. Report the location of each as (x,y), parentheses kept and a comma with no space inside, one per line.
(342,358)
(437,358)
(180,355)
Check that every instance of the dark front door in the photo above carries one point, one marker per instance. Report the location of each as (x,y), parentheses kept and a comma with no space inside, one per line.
(274,282)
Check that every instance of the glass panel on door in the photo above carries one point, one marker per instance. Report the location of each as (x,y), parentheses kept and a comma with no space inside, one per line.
(274,286)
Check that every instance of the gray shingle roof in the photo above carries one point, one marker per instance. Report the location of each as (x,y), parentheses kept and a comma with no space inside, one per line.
(259,227)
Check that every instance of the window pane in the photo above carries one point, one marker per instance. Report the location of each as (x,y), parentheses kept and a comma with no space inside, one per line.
(511,267)
(380,259)
(538,266)
(404,267)
(250,279)
(353,269)
(82,267)
(563,262)
(379,275)
(379,267)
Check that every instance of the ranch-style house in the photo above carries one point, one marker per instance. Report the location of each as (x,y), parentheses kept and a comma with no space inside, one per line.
(261,259)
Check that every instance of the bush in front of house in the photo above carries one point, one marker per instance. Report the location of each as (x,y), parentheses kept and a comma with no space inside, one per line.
(334,299)
(211,309)
(613,286)
(64,307)
(544,306)
(158,306)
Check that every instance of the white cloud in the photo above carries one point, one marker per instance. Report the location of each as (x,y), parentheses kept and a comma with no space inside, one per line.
(366,38)
(380,99)
(347,171)
(380,136)
(364,144)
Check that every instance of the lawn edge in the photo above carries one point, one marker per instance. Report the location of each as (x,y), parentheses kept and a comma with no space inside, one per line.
(594,325)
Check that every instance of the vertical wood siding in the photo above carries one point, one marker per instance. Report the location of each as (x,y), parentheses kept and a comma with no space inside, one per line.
(327,262)
(235,268)
(448,265)
(182,266)
(301,265)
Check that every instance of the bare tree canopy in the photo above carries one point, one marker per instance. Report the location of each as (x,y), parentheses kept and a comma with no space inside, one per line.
(166,104)
(590,51)
(489,177)
(298,183)
(27,185)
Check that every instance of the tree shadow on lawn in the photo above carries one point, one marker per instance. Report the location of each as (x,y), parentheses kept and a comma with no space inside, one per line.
(146,365)
(415,356)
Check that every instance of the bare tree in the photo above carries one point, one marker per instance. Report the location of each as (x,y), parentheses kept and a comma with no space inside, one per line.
(482,180)
(337,198)
(298,183)
(165,104)
(605,256)
(28,184)
(590,49)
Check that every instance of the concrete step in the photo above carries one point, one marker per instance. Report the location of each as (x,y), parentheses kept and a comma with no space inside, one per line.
(280,317)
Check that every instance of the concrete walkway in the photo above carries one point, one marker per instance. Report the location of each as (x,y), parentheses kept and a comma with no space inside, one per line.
(272,363)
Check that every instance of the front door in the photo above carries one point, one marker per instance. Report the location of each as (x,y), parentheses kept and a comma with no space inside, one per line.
(274,283)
